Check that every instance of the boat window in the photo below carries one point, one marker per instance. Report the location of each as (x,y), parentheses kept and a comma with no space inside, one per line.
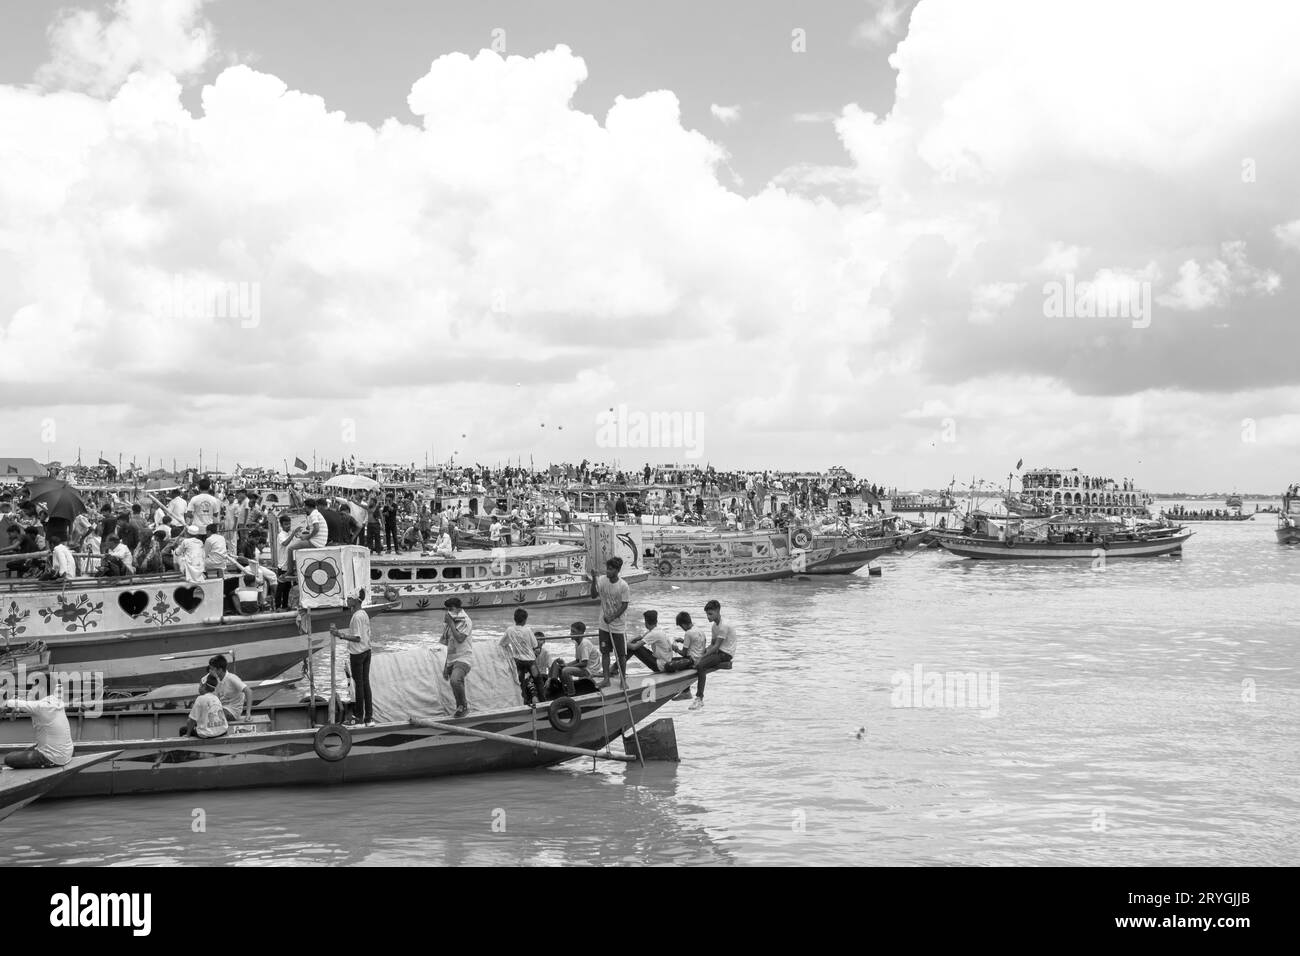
(376,574)
(451,572)
(426,574)
(399,574)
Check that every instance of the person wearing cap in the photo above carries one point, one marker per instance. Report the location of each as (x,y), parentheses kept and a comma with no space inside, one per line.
(207,717)
(358,641)
(188,554)
(457,631)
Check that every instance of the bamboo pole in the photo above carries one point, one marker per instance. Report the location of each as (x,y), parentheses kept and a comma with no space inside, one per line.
(606,754)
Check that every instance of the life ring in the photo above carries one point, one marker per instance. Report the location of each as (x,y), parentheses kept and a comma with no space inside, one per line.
(1011,542)
(665,567)
(332,743)
(898,544)
(801,537)
(565,725)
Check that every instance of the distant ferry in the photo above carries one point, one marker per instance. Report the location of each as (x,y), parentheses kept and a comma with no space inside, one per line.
(1058,492)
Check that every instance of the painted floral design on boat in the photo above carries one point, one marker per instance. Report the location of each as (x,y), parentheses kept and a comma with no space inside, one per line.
(11,625)
(75,615)
(163,612)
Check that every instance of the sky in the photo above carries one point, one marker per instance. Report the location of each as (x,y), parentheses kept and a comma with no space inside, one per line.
(919,240)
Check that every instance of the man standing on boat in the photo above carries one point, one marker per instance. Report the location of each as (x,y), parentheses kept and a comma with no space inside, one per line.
(614,596)
(457,631)
(358,640)
(206,508)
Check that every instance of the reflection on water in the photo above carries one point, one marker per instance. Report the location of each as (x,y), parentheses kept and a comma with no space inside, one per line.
(1145,714)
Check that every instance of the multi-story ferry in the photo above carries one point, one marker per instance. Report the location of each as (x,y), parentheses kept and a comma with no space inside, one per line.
(1059,492)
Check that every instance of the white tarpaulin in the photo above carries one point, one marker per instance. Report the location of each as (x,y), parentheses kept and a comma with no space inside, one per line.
(409,683)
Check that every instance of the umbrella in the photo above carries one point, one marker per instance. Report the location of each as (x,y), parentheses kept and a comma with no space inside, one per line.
(358,482)
(64,502)
(43,486)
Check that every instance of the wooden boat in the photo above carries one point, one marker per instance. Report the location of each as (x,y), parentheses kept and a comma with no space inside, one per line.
(1013,549)
(142,632)
(336,754)
(20,787)
(1288,519)
(502,577)
(1185,517)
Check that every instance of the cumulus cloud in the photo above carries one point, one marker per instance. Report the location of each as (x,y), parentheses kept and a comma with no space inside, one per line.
(887,21)
(725,114)
(407,275)
(1214,283)
(152,36)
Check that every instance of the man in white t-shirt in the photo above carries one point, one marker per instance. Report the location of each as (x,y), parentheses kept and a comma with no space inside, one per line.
(120,551)
(721,650)
(653,648)
(207,716)
(315,535)
(585,663)
(235,697)
(614,596)
(53,746)
(206,508)
(176,509)
(62,562)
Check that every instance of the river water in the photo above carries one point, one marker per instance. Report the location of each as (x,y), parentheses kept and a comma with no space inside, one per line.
(1144,713)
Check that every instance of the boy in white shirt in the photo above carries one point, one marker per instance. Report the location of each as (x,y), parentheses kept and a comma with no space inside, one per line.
(522,647)
(207,716)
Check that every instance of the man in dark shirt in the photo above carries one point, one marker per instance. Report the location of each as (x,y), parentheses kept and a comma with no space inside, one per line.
(338,528)
(390,524)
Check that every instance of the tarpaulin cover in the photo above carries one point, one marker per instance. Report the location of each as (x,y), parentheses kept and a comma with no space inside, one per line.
(409,683)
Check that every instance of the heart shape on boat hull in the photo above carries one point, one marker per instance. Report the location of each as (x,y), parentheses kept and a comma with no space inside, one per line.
(133,602)
(188,598)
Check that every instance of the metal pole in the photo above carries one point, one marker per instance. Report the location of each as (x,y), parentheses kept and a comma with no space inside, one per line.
(333,676)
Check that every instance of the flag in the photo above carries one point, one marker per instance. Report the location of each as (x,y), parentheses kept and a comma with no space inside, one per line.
(102,462)
(299,463)
(1019,463)
(11,470)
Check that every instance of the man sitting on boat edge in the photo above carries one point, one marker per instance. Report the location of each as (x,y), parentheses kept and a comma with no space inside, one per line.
(53,745)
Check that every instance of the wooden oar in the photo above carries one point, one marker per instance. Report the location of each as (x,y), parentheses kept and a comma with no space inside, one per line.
(606,754)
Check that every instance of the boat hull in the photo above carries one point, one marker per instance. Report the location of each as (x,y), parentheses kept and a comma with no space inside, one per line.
(1287,535)
(700,568)
(20,787)
(385,752)
(968,547)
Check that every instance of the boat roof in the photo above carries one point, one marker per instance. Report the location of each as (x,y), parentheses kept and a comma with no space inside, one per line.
(473,555)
